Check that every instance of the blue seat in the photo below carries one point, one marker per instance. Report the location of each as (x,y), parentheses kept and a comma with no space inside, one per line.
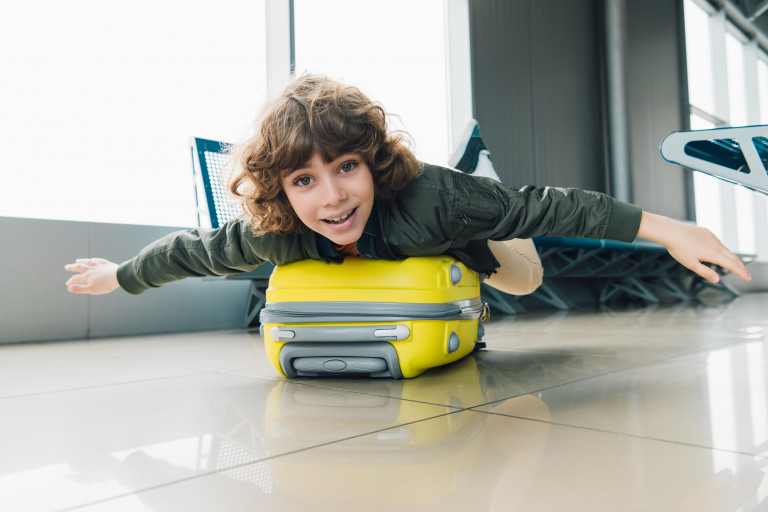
(215,206)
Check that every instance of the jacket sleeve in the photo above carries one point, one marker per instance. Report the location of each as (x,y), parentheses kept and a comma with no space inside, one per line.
(481,208)
(230,249)
(550,211)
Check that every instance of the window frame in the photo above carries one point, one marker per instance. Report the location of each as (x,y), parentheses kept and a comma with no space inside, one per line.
(731,197)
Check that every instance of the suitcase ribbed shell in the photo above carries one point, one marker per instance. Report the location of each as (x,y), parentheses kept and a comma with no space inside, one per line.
(372,317)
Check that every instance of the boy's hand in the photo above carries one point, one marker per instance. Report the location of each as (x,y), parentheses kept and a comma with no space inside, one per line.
(95,276)
(691,245)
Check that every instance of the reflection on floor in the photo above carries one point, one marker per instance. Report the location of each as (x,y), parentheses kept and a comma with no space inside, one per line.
(644,409)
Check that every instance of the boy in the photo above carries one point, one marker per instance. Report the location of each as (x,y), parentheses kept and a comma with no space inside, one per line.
(323,178)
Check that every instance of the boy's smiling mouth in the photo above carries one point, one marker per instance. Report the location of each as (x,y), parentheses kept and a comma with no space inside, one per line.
(339,220)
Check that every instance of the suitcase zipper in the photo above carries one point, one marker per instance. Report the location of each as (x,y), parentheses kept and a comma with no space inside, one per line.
(325,312)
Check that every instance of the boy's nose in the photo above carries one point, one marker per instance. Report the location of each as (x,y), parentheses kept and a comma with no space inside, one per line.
(333,193)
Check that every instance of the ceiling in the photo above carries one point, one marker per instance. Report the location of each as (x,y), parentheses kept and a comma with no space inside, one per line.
(756,11)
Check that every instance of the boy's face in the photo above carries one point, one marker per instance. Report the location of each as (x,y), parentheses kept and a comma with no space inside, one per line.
(333,199)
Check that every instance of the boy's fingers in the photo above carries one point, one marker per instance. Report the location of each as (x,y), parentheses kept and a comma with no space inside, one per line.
(701,269)
(707,273)
(710,274)
(84,264)
(78,267)
(76,279)
(733,263)
(742,272)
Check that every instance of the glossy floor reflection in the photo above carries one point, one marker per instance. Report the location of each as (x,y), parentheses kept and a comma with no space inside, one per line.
(645,409)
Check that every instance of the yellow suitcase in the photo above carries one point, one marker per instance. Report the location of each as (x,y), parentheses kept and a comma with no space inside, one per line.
(378,318)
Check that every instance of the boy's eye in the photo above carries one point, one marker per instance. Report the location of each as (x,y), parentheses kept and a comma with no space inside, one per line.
(348,166)
(303,181)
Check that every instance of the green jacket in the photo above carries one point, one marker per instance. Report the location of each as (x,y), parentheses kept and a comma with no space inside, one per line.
(439,212)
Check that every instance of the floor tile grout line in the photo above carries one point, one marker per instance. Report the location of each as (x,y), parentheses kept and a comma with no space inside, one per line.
(624,434)
(154,359)
(390,427)
(202,370)
(455,409)
(148,359)
(334,388)
(578,381)
(667,359)
(234,372)
(715,347)
(255,461)
(611,372)
(208,370)
(639,365)
(539,390)
(111,384)
(608,356)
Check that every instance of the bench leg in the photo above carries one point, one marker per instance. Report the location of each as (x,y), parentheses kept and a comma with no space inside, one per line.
(631,286)
(669,286)
(550,294)
(504,302)
(699,284)
(257,297)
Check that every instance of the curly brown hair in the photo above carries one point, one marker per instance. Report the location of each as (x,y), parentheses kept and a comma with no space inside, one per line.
(315,115)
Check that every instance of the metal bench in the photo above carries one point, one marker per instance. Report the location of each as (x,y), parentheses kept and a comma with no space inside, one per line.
(215,207)
(642,270)
(738,155)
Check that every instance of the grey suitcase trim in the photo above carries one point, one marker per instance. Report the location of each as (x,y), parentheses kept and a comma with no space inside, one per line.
(340,333)
(321,360)
(326,312)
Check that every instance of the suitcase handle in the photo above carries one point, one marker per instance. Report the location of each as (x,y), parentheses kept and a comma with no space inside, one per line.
(353,333)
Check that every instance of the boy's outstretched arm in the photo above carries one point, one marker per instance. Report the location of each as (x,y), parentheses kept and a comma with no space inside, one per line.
(94,276)
(691,245)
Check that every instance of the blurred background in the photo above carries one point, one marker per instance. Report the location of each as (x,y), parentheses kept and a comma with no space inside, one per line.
(99,99)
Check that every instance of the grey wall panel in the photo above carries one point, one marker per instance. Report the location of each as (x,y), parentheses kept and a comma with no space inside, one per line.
(501,85)
(189,305)
(34,303)
(186,305)
(567,94)
(654,103)
(538,94)
(536,90)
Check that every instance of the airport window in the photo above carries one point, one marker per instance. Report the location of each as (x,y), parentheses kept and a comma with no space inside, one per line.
(98,100)
(726,77)
(762,80)
(399,60)
(699,53)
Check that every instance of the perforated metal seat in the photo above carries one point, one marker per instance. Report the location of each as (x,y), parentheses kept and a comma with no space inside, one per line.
(737,155)
(215,206)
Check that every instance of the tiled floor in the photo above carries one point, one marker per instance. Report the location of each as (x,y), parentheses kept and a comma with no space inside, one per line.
(648,409)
